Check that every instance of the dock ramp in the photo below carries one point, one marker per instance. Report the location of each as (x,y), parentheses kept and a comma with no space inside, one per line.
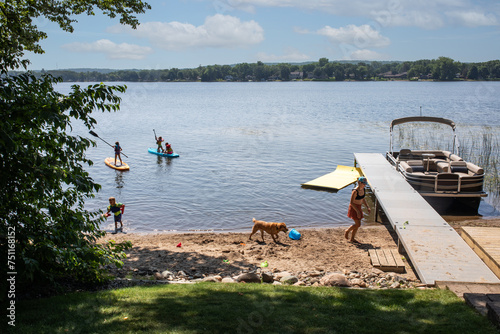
(435,249)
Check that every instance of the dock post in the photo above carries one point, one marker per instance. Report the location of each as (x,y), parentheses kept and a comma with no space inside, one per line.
(401,248)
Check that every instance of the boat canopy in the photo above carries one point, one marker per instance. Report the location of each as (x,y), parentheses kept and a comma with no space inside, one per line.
(445,121)
(423,119)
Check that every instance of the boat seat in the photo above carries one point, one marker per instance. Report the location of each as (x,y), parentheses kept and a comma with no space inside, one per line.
(412,166)
(476,170)
(458,167)
(454,157)
(442,166)
(404,154)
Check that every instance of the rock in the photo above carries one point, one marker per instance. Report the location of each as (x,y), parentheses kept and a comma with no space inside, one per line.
(358,282)
(278,276)
(299,283)
(267,277)
(395,285)
(228,280)
(315,273)
(277,283)
(314,280)
(290,279)
(159,276)
(166,274)
(248,278)
(334,280)
(210,279)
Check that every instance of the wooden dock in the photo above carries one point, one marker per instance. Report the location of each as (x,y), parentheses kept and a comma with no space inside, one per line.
(485,241)
(387,260)
(435,249)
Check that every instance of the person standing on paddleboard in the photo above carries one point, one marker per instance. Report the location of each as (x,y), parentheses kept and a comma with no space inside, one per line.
(117,209)
(118,150)
(159,142)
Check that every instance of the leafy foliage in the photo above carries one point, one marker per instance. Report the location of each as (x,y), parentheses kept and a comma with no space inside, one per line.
(18,31)
(43,182)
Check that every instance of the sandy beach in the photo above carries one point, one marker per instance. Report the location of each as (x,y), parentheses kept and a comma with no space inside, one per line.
(229,254)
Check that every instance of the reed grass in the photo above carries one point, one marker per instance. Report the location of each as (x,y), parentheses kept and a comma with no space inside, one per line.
(483,148)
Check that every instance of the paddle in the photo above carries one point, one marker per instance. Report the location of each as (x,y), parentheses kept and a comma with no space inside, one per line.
(96,135)
(155,134)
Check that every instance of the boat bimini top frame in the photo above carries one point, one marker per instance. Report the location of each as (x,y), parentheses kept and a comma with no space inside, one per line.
(426,119)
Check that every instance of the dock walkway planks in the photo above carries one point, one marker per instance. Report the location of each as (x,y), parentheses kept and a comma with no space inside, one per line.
(436,251)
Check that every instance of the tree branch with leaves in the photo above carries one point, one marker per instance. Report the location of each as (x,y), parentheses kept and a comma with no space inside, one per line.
(43,181)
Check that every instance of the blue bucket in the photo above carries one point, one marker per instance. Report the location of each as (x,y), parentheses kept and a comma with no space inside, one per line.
(294,234)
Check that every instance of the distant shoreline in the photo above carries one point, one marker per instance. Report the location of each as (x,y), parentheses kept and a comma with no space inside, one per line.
(441,69)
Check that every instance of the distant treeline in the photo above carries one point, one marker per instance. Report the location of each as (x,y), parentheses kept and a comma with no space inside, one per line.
(441,69)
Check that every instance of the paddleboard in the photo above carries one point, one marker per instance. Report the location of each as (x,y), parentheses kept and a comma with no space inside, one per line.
(111,163)
(153,150)
(340,178)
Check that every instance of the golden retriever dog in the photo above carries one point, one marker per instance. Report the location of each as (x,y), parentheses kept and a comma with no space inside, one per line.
(272,228)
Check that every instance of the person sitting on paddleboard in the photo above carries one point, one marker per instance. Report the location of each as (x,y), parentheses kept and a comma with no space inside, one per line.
(118,150)
(169,148)
(159,142)
(117,209)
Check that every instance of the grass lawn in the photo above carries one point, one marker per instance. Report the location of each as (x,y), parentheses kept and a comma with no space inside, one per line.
(250,308)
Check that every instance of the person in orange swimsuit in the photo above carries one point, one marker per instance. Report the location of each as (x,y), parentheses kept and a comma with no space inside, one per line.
(355,212)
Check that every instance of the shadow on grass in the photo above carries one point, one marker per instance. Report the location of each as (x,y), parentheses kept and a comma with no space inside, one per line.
(250,308)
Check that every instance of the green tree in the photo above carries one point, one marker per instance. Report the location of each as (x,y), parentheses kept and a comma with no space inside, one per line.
(322,62)
(329,69)
(473,73)
(285,72)
(445,69)
(260,72)
(43,183)
(484,72)
(339,73)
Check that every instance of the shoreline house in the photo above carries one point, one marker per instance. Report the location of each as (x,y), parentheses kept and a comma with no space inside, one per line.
(389,75)
(296,75)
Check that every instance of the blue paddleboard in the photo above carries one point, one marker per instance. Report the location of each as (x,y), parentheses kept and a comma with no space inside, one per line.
(153,150)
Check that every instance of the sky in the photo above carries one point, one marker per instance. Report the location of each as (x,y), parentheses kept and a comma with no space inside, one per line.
(190,33)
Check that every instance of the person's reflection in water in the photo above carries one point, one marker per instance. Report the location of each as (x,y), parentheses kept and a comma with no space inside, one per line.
(119,179)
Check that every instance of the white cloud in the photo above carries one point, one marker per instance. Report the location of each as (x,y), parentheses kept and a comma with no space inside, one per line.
(365,54)
(111,49)
(413,18)
(472,19)
(290,55)
(359,36)
(427,14)
(218,31)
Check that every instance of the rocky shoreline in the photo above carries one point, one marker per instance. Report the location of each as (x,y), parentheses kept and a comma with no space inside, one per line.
(370,279)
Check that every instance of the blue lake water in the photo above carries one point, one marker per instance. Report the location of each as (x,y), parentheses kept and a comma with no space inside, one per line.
(245,148)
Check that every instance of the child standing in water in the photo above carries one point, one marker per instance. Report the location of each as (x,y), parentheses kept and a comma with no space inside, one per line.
(118,150)
(355,212)
(117,210)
